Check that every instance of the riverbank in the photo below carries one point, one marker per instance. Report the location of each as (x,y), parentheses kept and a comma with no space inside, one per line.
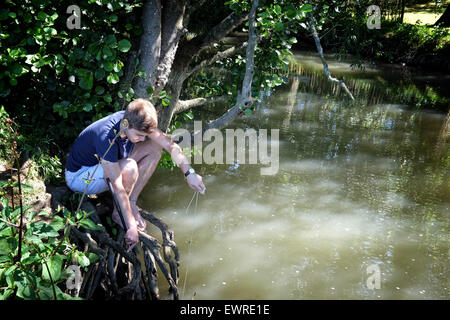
(422,46)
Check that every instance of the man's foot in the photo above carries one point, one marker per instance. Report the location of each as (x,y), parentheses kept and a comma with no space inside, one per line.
(141,224)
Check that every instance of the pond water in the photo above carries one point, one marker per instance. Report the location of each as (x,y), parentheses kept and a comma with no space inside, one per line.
(359,208)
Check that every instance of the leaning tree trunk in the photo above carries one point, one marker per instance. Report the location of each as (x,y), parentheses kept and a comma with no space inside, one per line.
(166,57)
(444,20)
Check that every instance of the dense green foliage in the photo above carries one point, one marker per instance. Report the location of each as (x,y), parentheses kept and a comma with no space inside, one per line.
(58,78)
(39,270)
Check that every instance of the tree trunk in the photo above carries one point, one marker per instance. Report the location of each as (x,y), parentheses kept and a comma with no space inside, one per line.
(172,30)
(149,48)
(173,88)
(166,57)
(402,12)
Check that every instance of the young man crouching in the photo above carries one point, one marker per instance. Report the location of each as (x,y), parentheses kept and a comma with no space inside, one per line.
(129,162)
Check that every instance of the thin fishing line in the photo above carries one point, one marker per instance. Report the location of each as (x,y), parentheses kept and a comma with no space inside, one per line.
(192,235)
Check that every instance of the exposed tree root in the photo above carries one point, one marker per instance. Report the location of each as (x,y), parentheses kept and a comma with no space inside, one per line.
(123,275)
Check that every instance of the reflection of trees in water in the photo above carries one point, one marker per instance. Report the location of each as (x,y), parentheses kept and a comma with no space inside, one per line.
(369,88)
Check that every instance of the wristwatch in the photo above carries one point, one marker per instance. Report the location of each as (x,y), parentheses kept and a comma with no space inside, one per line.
(191,170)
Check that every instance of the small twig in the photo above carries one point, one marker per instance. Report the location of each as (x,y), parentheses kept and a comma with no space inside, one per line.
(9,223)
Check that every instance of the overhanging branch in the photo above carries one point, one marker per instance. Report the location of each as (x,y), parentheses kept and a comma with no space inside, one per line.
(184,105)
(222,29)
(217,57)
(324,62)
(244,98)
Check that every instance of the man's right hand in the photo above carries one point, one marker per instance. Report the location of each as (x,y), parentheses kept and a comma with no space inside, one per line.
(132,236)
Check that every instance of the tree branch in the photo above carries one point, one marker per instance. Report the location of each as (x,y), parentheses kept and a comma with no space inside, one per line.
(184,105)
(222,29)
(244,98)
(324,62)
(218,56)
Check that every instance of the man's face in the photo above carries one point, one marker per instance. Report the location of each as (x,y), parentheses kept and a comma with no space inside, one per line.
(136,136)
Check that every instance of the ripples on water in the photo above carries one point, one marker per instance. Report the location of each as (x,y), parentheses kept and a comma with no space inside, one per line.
(358,185)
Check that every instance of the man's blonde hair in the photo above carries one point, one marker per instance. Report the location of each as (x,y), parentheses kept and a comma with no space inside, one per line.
(141,115)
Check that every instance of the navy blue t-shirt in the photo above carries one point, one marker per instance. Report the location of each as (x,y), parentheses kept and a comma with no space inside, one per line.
(95,139)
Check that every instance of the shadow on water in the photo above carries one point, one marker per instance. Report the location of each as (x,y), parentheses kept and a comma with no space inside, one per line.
(359,184)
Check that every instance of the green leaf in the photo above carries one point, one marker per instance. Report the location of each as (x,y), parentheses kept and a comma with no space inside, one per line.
(99,74)
(30,259)
(57,224)
(189,115)
(41,15)
(165,102)
(82,260)
(6,294)
(17,69)
(124,45)
(99,90)
(42,229)
(111,41)
(45,292)
(51,31)
(9,275)
(89,224)
(108,66)
(279,26)
(92,257)
(277,9)
(24,289)
(112,78)
(86,79)
(8,245)
(306,8)
(107,98)
(106,52)
(54,265)
(31,215)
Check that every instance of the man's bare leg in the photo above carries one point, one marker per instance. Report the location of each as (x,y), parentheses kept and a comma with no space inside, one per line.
(130,174)
(147,155)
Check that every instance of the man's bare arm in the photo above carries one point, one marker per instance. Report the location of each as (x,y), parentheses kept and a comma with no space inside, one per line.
(194,180)
(174,149)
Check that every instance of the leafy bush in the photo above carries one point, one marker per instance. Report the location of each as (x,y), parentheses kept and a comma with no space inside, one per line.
(68,77)
(39,270)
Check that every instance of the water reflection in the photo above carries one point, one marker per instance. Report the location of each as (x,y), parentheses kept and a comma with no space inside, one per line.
(358,185)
